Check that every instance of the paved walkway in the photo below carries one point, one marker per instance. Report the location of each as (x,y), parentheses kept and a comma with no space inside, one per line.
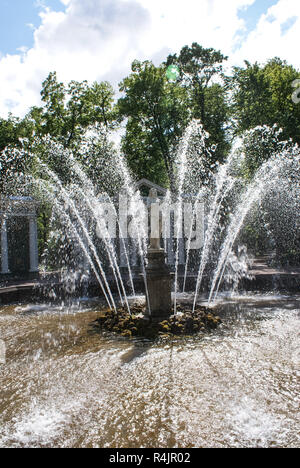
(260,267)
(260,270)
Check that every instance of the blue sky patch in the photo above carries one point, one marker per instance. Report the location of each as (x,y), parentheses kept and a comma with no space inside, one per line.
(288,24)
(18,18)
(251,14)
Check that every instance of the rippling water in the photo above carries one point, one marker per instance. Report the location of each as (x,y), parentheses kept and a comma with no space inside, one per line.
(63,385)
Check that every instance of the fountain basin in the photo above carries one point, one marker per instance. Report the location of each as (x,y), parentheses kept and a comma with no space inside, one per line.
(63,385)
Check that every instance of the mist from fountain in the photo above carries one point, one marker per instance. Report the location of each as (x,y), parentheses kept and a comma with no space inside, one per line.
(269,175)
(228,198)
(60,209)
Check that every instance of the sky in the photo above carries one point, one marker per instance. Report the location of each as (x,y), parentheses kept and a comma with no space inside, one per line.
(98,39)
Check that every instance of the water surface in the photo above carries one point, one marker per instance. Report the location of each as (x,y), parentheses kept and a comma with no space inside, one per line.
(63,385)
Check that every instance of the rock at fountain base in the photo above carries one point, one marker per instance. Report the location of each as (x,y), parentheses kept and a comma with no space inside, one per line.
(159,282)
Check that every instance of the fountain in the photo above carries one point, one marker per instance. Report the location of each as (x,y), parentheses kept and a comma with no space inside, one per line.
(108,235)
(232,384)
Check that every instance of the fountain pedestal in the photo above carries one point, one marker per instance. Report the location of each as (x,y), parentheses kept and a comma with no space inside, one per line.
(159,283)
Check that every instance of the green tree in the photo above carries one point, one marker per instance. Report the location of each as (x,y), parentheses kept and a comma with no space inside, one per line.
(157,113)
(262,95)
(260,144)
(15,134)
(15,163)
(201,74)
(13,129)
(69,109)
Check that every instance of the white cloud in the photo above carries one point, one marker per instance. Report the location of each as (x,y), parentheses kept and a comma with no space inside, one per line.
(269,39)
(98,39)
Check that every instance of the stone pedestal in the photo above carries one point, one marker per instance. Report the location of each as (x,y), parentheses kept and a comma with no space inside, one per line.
(159,281)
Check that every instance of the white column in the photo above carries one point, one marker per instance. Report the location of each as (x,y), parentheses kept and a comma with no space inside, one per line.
(4,248)
(33,245)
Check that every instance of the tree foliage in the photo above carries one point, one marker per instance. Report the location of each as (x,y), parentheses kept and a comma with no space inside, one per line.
(201,74)
(13,129)
(159,110)
(157,114)
(262,95)
(69,109)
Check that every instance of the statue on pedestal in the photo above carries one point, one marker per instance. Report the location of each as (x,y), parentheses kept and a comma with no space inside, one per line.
(158,275)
